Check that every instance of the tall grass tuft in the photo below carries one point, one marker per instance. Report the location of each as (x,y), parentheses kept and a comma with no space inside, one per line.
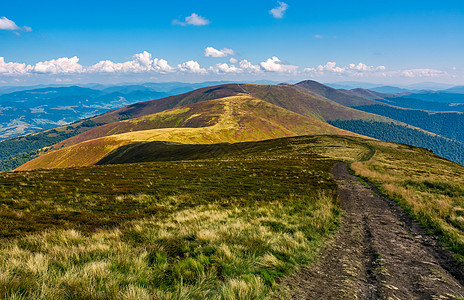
(203,252)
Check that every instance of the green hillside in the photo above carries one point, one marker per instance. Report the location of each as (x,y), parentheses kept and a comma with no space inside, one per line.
(18,151)
(230,119)
(204,221)
(202,229)
(444,147)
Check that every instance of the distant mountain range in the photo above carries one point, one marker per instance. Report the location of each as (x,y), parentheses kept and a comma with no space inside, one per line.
(25,110)
(226,113)
(394,89)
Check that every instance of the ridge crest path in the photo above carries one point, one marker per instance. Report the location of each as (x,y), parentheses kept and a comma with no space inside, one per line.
(378,253)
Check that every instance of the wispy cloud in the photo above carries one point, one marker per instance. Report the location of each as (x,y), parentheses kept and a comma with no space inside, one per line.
(318,36)
(193,19)
(279,11)
(213,52)
(7,24)
(421,73)
(363,70)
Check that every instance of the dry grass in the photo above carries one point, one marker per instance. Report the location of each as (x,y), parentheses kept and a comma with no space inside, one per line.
(219,228)
(430,189)
(205,252)
(232,119)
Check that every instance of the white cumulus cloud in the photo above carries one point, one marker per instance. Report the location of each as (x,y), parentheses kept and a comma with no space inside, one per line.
(359,69)
(141,62)
(191,66)
(365,68)
(225,68)
(7,24)
(275,65)
(278,12)
(193,19)
(144,62)
(59,65)
(12,68)
(330,66)
(249,67)
(213,52)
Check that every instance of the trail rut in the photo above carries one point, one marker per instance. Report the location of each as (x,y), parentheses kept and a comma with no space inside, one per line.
(378,253)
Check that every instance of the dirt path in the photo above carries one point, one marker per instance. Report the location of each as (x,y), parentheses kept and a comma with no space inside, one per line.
(378,253)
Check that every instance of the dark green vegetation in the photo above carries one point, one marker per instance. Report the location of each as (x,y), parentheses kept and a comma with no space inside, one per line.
(56,188)
(446,124)
(225,225)
(17,151)
(447,148)
(222,221)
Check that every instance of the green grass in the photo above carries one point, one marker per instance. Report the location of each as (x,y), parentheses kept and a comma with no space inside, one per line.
(206,221)
(232,119)
(429,188)
(216,228)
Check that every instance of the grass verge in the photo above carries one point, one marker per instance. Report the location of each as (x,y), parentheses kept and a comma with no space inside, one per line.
(429,188)
(219,228)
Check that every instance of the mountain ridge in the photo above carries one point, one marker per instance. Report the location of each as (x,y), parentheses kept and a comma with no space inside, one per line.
(230,119)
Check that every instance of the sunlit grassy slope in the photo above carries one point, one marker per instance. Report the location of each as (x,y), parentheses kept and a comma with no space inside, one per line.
(313,105)
(206,221)
(223,227)
(430,188)
(230,119)
(285,96)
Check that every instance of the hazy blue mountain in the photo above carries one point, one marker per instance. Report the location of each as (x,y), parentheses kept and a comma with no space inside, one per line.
(431,86)
(348,85)
(390,89)
(432,96)
(455,90)
(407,102)
(23,112)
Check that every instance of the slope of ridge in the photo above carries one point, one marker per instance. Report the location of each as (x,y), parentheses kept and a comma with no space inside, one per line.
(17,151)
(230,119)
(285,96)
(368,94)
(349,99)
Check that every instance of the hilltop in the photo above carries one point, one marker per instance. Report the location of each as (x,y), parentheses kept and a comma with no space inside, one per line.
(185,117)
(230,119)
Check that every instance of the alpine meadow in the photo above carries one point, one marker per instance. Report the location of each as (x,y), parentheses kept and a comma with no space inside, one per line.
(264,150)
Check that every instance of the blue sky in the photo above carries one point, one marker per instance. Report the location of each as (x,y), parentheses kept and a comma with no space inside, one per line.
(374,41)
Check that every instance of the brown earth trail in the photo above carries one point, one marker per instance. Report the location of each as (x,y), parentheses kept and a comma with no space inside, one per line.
(378,253)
